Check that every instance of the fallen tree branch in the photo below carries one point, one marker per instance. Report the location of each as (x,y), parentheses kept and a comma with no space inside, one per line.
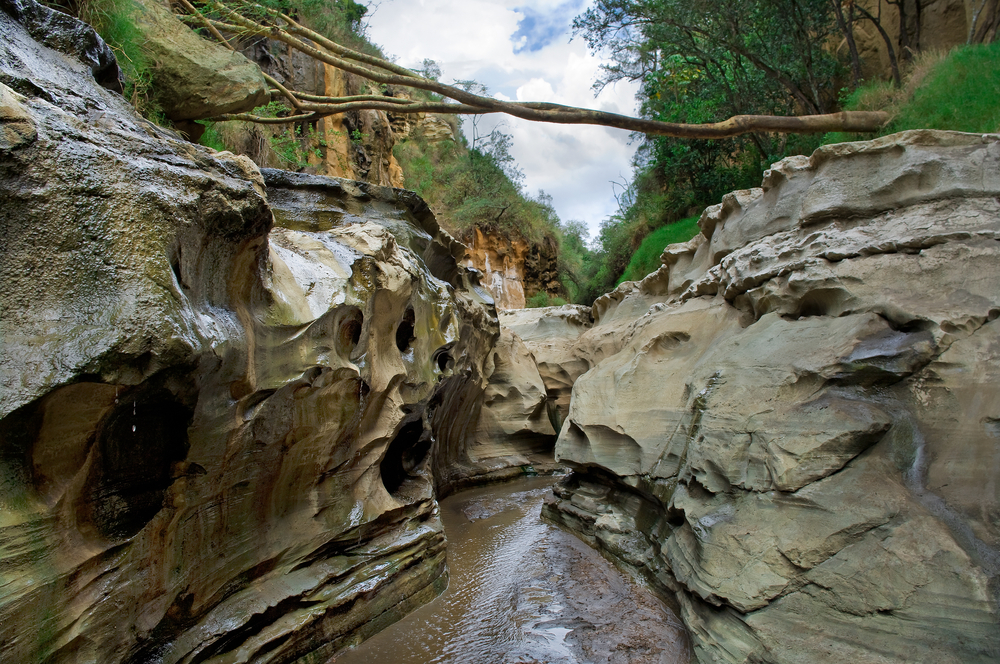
(310,107)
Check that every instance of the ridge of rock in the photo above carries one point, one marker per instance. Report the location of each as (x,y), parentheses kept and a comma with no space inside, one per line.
(788,428)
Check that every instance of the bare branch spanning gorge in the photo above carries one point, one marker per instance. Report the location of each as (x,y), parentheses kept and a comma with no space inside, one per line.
(251,19)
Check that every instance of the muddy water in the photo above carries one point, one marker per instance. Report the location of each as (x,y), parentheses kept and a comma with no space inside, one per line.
(523,591)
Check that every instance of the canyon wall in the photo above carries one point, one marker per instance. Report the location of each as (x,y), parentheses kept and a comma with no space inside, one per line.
(226,394)
(790,428)
(513,269)
(923,25)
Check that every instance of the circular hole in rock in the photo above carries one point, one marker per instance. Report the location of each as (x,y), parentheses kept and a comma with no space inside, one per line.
(404,332)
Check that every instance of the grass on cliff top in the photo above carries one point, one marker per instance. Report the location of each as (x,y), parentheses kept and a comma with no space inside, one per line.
(114,21)
(646,258)
(958,91)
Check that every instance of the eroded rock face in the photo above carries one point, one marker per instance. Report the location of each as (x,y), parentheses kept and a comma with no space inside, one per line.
(550,334)
(513,269)
(222,393)
(789,426)
(356,145)
(515,432)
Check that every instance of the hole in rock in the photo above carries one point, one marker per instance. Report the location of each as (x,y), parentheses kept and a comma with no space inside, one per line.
(443,358)
(350,332)
(404,333)
(405,453)
(137,444)
(675,517)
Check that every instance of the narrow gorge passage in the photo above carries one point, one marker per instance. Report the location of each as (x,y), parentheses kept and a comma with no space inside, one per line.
(525,591)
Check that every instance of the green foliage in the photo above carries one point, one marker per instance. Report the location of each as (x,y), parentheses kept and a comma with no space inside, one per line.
(646,258)
(543,299)
(212,137)
(576,261)
(700,62)
(478,187)
(962,93)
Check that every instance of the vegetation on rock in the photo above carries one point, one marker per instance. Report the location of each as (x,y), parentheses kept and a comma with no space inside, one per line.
(115,21)
(959,91)
(696,64)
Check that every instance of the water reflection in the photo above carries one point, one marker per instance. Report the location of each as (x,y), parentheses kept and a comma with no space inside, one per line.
(522,591)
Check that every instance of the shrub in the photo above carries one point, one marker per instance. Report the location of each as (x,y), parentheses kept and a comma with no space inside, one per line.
(543,299)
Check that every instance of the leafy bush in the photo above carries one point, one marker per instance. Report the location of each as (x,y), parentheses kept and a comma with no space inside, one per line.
(475,187)
(543,299)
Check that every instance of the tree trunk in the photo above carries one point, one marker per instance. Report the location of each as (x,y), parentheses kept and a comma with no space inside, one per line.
(846,26)
(896,79)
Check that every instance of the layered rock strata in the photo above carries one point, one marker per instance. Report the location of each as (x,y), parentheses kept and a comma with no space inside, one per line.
(790,427)
(222,393)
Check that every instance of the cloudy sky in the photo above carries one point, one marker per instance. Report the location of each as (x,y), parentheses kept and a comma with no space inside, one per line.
(521,50)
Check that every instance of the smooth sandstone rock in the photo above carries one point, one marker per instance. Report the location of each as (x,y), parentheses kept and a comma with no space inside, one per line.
(787,428)
(222,409)
(550,334)
(515,432)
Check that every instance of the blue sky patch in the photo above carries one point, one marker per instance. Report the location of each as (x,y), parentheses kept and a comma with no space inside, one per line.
(538,29)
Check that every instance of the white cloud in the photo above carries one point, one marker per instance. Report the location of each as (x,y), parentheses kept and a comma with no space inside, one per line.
(491,41)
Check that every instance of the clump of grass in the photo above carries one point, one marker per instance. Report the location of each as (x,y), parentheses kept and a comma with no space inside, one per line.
(646,258)
(958,90)
(543,299)
(962,93)
(114,20)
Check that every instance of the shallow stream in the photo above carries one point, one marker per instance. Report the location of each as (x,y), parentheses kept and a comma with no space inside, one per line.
(523,591)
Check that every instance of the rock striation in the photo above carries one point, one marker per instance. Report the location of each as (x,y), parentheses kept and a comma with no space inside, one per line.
(224,393)
(790,429)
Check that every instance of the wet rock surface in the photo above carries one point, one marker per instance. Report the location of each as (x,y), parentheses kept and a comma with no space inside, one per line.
(788,425)
(524,591)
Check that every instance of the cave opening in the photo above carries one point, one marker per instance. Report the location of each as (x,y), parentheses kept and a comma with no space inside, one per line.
(137,445)
(404,331)
(404,455)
